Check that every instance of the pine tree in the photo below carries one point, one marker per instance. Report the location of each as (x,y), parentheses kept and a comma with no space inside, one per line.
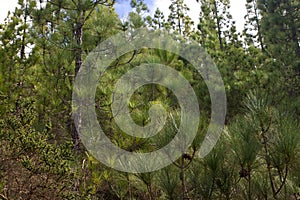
(63,25)
(158,21)
(214,21)
(178,19)
(280,24)
(27,145)
(252,29)
(280,30)
(137,18)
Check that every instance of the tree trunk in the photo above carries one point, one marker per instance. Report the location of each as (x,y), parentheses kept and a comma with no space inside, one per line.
(295,39)
(218,24)
(182,177)
(260,37)
(22,52)
(78,64)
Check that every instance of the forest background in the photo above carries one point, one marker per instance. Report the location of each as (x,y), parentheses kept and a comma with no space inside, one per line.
(42,47)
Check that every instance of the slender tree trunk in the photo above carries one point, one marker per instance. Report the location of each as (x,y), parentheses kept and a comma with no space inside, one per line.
(182,177)
(295,39)
(78,64)
(22,52)
(179,22)
(249,183)
(151,195)
(260,37)
(268,162)
(129,186)
(218,24)
(283,179)
(78,36)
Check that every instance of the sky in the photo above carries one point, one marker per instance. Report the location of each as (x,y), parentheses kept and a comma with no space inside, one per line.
(5,7)
(238,9)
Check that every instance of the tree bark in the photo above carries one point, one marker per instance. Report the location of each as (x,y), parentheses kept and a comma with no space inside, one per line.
(78,64)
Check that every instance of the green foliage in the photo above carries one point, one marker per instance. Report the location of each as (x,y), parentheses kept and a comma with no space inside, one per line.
(42,46)
(178,20)
(37,160)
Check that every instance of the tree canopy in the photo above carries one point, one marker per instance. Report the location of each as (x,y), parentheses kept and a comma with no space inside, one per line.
(43,46)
